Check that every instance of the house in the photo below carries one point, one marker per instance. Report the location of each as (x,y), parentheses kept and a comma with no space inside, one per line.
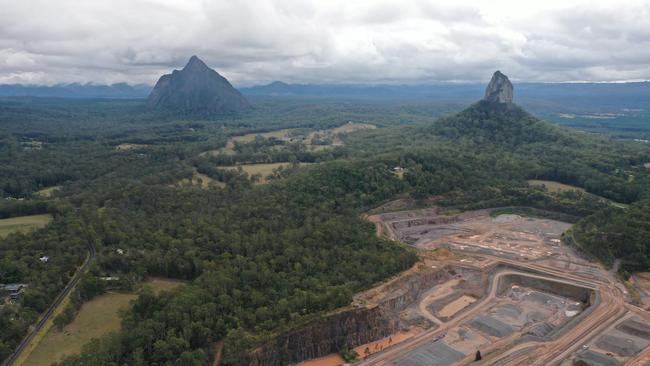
(14,290)
(120,251)
(44,258)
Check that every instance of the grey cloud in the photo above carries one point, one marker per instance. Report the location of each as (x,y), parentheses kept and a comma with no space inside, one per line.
(257,41)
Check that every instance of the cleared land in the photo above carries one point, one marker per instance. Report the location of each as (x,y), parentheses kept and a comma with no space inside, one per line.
(263,169)
(329,360)
(96,318)
(128,147)
(333,135)
(552,186)
(229,149)
(199,180)
(641,281)
(47,192)
(23,224)
(457,305)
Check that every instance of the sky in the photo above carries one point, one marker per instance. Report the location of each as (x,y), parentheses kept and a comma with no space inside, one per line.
(324,41)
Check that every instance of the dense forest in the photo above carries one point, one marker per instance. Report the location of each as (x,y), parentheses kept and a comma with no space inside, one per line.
(261,259)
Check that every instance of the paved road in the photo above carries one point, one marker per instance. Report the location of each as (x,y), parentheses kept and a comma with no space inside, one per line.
(48,314)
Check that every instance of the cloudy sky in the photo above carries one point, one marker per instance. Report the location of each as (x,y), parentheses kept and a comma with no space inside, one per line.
(324,41)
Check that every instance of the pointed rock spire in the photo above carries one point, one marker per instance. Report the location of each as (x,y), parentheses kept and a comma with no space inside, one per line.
(499,90)
(196,89)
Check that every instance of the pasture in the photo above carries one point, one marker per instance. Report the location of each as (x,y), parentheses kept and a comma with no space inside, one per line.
(263,169)
(554,187)
(96,318)
(23,224)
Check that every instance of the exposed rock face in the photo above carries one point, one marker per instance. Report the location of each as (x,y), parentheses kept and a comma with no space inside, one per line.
(499,90)
(349,328)
(325,336)
(196,89)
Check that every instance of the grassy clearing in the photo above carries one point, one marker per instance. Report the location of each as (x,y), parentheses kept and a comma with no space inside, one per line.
(163,284)
(200,180)
(47,192)
(333,134)
(554,187)
(229,149)
(263,169)
(96,318)
(351,127)
(267,135)
(23,224)
(127,147)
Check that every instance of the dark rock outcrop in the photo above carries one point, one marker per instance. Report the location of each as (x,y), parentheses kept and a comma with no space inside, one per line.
(327,335)
(499,90)
(196,89)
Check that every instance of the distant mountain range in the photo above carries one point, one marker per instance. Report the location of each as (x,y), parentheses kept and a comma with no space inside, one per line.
(593,95)
(76,90)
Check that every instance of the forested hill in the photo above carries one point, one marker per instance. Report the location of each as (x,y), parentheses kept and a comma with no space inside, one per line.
(603,167)
(504,124)
(618,233)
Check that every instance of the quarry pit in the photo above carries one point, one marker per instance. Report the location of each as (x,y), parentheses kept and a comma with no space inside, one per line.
(505,285)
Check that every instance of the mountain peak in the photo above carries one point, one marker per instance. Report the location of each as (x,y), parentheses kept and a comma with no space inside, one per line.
(196,89)
(195,63)
(499,90)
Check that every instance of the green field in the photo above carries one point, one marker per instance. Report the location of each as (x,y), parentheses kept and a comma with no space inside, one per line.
(23,224)
(554,187)
(96,318)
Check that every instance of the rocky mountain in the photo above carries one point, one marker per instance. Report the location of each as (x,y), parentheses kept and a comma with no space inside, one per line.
(498,122)
(499,90)
(196,89)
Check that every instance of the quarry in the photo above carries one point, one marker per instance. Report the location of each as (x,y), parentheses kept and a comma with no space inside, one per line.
(504,285)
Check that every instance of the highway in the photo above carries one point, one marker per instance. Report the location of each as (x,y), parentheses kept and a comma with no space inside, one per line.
(52,309)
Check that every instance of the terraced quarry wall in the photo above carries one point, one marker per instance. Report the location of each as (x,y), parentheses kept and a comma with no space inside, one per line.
(574,292)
